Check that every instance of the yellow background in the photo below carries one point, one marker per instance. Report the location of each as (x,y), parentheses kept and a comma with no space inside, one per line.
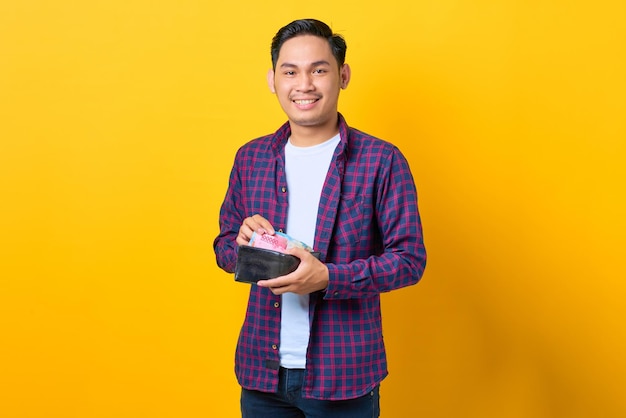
(119,123)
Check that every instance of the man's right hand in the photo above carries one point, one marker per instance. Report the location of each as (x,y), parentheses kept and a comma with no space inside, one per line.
(255,223)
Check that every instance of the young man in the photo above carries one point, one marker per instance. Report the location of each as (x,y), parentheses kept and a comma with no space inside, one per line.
(311,344)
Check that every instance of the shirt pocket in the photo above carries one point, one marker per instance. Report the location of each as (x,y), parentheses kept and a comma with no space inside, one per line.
(349,224)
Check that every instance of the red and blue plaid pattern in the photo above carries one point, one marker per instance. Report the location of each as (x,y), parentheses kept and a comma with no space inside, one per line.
(369,234)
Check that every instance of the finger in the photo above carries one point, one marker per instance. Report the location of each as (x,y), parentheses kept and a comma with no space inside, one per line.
(279,290)
(262,223)
(242,239)
(245,233)
(272,286)
(251,225)
(274,283)
(301,253)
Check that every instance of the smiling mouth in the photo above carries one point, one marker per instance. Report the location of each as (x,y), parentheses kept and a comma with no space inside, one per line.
(305,102)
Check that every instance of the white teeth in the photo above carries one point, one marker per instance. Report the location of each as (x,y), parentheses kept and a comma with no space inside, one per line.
(304,102)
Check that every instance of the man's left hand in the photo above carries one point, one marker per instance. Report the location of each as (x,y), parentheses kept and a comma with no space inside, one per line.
(310,276)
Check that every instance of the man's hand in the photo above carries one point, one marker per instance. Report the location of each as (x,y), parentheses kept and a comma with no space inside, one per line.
(310,276)
(255,223)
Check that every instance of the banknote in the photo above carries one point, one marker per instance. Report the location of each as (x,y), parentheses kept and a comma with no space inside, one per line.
(280,242)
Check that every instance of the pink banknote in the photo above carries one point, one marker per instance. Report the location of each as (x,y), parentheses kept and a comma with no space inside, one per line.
(278,242)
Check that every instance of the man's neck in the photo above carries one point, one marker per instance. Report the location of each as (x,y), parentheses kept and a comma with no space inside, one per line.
(308,136)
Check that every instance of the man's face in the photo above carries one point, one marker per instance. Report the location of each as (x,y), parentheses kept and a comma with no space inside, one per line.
(307,81)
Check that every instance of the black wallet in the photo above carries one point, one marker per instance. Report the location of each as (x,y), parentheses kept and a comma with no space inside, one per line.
(254,264)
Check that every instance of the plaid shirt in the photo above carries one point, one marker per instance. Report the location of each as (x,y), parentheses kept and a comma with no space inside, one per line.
(370,237)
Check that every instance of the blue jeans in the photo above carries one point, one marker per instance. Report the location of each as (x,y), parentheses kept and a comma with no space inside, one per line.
(289,403)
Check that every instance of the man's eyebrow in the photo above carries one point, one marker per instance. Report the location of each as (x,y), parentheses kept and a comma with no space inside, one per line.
(313,64)
(322,62)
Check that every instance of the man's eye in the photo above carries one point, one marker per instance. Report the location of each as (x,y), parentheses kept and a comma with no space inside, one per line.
(319,71)
(290,72)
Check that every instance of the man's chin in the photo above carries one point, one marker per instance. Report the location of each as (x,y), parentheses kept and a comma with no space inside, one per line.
(310,121)
(307,123)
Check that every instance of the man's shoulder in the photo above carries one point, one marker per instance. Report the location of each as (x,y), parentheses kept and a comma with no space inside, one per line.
(260,141)
(257,146)
(265,143)
(364,141)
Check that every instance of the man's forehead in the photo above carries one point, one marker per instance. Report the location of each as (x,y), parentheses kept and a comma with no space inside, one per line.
(305,50)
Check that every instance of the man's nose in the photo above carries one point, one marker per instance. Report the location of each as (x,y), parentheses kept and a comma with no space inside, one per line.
(305,82)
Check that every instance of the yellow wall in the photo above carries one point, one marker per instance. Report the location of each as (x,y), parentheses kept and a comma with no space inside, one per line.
(119,122)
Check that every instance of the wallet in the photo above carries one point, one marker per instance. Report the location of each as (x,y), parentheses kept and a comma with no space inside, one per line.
(254,264)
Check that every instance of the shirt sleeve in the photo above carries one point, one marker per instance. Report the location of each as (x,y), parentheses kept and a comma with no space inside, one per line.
(230,219)
(403,257)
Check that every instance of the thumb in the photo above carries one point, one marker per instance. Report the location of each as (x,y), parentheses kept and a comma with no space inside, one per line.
(298,252)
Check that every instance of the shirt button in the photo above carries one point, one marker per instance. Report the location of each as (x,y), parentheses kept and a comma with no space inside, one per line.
(274,347)
(281,231)
(276,304)
(283,189)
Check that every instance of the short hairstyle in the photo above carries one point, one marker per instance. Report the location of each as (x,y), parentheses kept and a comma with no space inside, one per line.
(309,27)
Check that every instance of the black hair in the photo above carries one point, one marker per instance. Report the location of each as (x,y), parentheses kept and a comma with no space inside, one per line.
(309,27)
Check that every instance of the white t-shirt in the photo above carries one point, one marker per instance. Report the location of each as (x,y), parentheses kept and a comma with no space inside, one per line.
(306,169)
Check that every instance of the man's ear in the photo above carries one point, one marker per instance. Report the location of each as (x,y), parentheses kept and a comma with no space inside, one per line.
(345,73)
(270,81)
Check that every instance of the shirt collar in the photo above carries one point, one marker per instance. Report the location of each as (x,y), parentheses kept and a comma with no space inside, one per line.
(281,136)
